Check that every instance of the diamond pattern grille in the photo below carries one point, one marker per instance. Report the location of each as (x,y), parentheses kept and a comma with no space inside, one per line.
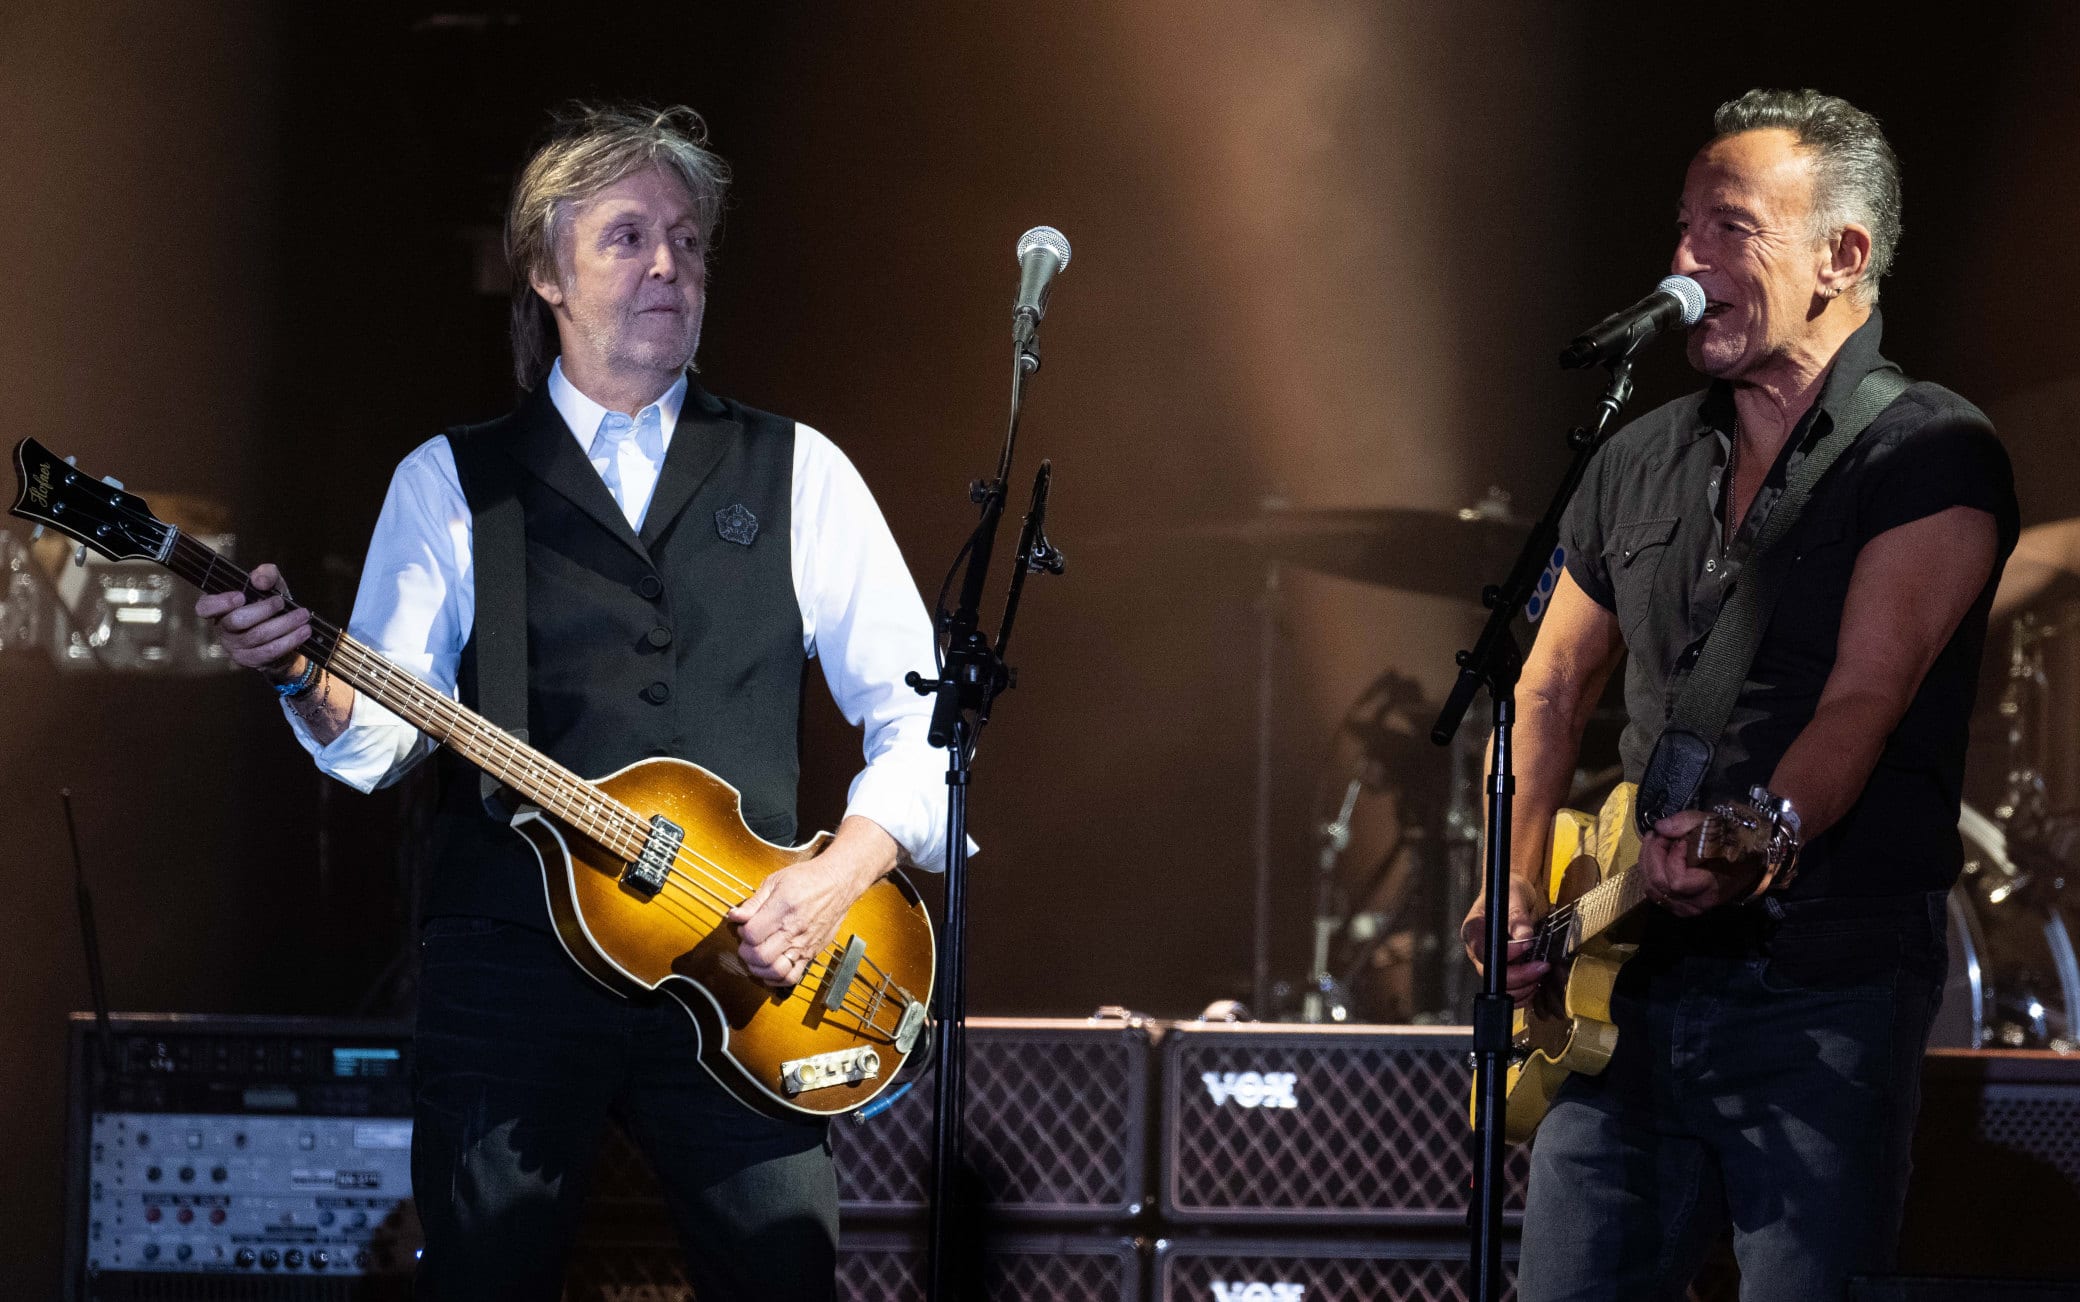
(1325,1272)
(1379,1136)
(2042,1121)
(1056,1128)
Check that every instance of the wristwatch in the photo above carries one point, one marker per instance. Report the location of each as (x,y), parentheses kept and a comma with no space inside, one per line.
(1786,837)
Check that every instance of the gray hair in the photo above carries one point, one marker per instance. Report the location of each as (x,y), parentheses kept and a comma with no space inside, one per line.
(590,148)
(1856,175)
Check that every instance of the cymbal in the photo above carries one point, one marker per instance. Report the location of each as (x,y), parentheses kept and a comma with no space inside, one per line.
(1442,553)
(2045,564)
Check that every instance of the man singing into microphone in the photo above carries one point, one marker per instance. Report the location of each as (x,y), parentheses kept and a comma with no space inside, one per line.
(1770,1040)
(679,557)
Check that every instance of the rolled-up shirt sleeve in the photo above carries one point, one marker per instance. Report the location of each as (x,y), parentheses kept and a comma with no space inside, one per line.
(415,606)
(863,619)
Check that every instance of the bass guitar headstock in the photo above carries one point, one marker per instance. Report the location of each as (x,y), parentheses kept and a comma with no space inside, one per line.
(55,493)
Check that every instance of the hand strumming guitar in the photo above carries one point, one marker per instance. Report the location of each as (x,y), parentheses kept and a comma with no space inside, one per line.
(1526,906)
(794,914)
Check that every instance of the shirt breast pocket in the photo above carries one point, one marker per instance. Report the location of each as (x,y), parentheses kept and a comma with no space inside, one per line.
(1632,554)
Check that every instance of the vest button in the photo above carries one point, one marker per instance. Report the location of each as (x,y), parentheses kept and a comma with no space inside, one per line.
(649,587)
(658,693)
(660,637)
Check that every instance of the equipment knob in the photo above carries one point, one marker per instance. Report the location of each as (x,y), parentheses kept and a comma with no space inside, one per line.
(270,1259)
(151,1252)
(185,1251)
(187,1175)
(244,1258)
(293,1258)
(152,1173)
(320,1259)
(219,1174)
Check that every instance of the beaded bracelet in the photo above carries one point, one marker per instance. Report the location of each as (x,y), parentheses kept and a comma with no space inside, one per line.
(303,684)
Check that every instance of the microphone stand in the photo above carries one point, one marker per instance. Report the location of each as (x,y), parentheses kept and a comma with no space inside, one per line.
(1494,663)
(971,675)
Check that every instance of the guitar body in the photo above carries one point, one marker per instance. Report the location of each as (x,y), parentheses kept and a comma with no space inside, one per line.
(676,942)
(1567,1029)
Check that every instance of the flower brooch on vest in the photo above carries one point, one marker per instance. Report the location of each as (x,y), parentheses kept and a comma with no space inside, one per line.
(736,524)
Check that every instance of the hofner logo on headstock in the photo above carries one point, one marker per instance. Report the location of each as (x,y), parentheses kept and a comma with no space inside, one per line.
(40,487)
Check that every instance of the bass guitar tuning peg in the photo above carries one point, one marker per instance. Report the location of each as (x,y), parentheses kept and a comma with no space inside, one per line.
(111,481)
(79,556)
(36,533)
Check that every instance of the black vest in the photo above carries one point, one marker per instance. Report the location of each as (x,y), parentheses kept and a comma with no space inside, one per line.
(685,641)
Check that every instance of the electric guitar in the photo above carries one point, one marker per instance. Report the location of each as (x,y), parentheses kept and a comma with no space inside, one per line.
(639,866)
(1596,884)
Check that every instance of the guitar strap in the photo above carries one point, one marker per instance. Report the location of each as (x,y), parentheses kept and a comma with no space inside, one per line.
(1682,755)
(498,545)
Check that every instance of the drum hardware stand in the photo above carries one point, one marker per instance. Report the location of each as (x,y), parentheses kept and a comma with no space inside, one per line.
(971,674)
(2025,803)
(1270,604)
(1327,999)
(1495,663)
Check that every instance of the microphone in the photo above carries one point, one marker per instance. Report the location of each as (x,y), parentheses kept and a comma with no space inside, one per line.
(1043,254)
(1677,299)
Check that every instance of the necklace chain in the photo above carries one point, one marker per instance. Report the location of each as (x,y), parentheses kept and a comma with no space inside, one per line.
(1733,452)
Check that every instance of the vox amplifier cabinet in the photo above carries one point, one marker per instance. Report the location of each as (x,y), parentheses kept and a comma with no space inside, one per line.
(889,1266)
(1057,1127)
(1996,1183)
(1372,1269)
(228,1158)
(1324,1126)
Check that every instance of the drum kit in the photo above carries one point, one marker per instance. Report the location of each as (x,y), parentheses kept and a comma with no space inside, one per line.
(73,608)
(1395,822)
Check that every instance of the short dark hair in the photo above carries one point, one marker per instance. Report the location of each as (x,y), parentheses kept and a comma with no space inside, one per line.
(591,147)
(1856,173)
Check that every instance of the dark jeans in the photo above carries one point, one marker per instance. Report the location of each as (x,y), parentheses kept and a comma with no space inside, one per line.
(1767,1073)
(521,1060)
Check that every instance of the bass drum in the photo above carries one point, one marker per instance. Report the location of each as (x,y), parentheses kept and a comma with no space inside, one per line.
(2014,982)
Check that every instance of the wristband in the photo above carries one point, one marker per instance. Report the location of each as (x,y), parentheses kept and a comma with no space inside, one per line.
(303,682)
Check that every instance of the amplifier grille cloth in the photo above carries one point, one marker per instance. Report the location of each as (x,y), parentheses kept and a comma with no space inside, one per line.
(1056,1127)
(1380,1130)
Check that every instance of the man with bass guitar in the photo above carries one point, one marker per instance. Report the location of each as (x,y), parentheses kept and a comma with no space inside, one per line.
(1771,1023)
(663,565)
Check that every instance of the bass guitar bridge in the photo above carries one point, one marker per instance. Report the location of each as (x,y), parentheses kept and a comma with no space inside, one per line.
(653,863)
(844,1067)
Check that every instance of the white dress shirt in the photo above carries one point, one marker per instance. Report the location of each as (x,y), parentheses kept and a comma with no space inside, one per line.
(861,614)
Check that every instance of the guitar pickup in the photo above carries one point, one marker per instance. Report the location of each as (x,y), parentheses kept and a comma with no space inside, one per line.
(825,1070)
(841,975)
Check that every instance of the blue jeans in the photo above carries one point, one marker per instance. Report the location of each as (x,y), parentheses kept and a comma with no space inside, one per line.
(521,1059)
(1768,1073)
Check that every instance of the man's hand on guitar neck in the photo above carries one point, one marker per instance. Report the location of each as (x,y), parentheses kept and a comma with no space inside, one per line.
(1526,907)
(1685,885)
(793,916)
(259,634)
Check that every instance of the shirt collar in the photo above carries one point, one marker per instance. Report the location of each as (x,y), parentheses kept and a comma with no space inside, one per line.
(583,415)
(1857,357)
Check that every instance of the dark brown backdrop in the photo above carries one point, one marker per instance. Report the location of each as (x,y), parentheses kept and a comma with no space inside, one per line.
(1323,253)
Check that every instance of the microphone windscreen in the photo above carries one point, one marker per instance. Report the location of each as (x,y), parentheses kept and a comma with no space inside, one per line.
(1687,292)
(1052,240)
